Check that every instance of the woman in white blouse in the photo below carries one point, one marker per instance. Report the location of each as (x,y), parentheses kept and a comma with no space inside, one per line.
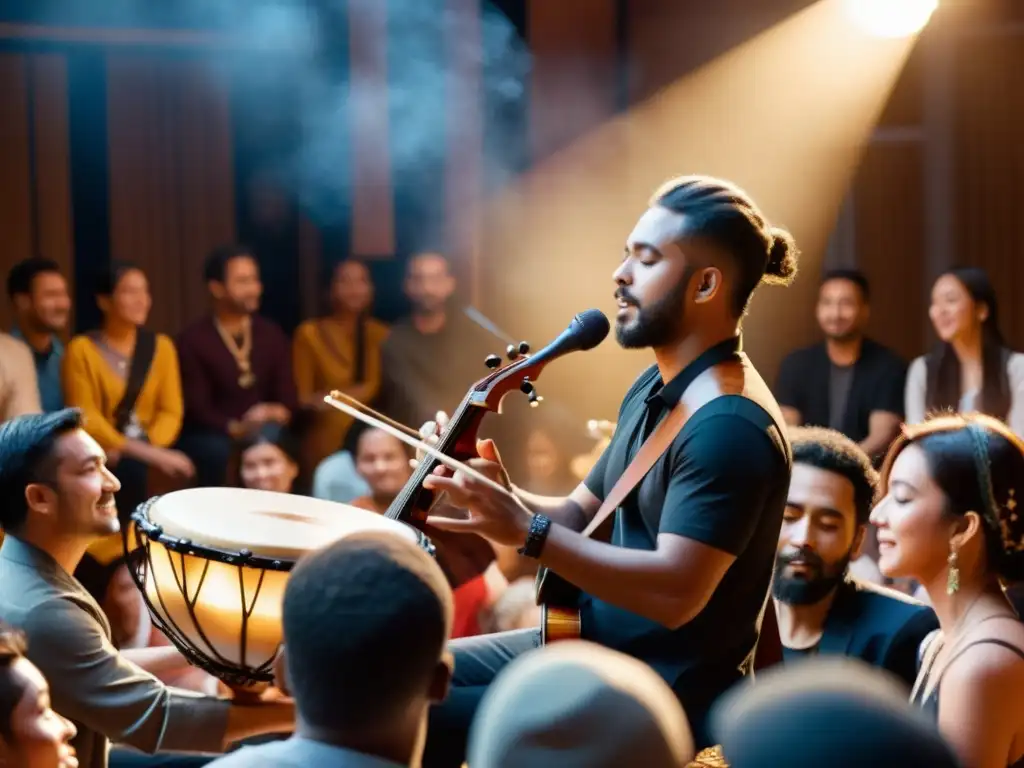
(972,369)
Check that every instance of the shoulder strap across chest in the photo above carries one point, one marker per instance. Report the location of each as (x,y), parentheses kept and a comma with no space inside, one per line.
(728,378)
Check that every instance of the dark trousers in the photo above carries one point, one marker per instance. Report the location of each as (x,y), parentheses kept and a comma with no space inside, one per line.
(478,660)
(210,452)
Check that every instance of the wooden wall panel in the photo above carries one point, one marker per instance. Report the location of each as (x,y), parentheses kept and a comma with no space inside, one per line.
(464,166)
(35,197)
(888,211)
(574,81)
(16,164)
(989,163)
(171,177)
(373,205)
(52,159)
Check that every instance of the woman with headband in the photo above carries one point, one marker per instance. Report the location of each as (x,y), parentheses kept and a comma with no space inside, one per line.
(953,519)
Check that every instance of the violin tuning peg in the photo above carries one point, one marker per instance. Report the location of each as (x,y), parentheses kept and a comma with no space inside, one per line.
(524,347)
(534,398)
(512,352)
(492,361)
(526,386)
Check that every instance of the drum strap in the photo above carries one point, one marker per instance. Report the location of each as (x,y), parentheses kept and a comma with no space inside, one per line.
(138,370)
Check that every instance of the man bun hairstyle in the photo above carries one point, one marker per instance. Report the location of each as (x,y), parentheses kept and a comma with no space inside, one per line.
(721,213)
(781,267)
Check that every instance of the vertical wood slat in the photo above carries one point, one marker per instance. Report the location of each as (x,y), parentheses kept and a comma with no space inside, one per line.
(464,170)
(373,214)
(171,177)
(49,82)
(989,168)
(15,169)
(889,212)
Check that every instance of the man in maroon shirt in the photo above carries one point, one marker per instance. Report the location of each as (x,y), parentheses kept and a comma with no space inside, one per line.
(236,368)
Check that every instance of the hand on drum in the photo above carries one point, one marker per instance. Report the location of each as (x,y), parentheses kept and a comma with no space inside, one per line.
(497,516)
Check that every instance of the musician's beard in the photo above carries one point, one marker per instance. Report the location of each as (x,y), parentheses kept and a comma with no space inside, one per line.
(658,324)
(812,589)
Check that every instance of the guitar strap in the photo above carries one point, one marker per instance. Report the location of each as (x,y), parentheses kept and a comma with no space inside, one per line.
(723,379)
(138,370)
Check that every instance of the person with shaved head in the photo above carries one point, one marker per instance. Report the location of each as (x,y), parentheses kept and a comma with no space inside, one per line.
(366,626)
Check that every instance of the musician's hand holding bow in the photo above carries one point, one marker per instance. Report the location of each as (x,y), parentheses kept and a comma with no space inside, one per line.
(495,515)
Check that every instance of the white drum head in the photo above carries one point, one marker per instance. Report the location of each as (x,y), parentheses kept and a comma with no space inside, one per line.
(279,526)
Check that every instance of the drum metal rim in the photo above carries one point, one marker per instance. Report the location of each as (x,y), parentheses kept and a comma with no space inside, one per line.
(147,532)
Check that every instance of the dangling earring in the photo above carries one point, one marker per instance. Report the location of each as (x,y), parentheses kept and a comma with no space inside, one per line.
(953,578)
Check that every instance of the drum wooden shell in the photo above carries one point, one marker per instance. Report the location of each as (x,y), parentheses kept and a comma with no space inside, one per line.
(216,564)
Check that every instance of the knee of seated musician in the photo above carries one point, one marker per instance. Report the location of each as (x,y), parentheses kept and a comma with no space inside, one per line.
(478,660)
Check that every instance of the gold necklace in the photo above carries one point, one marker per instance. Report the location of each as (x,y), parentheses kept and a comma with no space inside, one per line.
(241,352)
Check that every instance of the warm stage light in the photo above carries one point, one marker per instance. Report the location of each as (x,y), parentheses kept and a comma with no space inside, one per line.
(891,18)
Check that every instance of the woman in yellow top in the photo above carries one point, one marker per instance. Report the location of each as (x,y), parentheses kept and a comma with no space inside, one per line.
(97,369)
(341,351)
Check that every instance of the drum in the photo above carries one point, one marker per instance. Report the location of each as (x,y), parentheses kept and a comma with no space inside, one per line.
(215,563)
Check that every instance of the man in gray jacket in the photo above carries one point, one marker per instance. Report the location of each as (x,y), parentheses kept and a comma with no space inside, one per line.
(56,498)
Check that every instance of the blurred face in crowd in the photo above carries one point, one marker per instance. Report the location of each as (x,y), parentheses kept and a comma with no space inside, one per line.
(819,536)
(241,289)
(39,737)
(913,531)
(429,283)
(78,496)
(351,288)
(266,467)
(542,455)
(842,311)
(47,306)
(383,463)
(953,312)
(130,302)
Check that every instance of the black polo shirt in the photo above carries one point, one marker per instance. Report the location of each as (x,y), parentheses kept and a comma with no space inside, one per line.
(807,381)
(723,482)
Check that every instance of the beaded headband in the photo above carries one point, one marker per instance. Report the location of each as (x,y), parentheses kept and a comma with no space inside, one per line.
(1001,524)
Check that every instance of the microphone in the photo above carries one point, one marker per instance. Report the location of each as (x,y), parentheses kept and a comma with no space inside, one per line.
(586,331)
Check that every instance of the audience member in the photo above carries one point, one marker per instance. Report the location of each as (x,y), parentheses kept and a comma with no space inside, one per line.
(383,462)
(39,293)
(820,608)
(341,351)
(434,355)
(972,369)
(235,367)
(56,499)
(848,382)
(950,520)
(19,389)
(32,735)
(126,382)
(268,459)
(579,704)
(366,622)
(828,712)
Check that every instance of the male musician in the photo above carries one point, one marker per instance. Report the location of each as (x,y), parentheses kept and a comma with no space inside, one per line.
(57,498)
(236,370)
(820,609)
(685,579)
